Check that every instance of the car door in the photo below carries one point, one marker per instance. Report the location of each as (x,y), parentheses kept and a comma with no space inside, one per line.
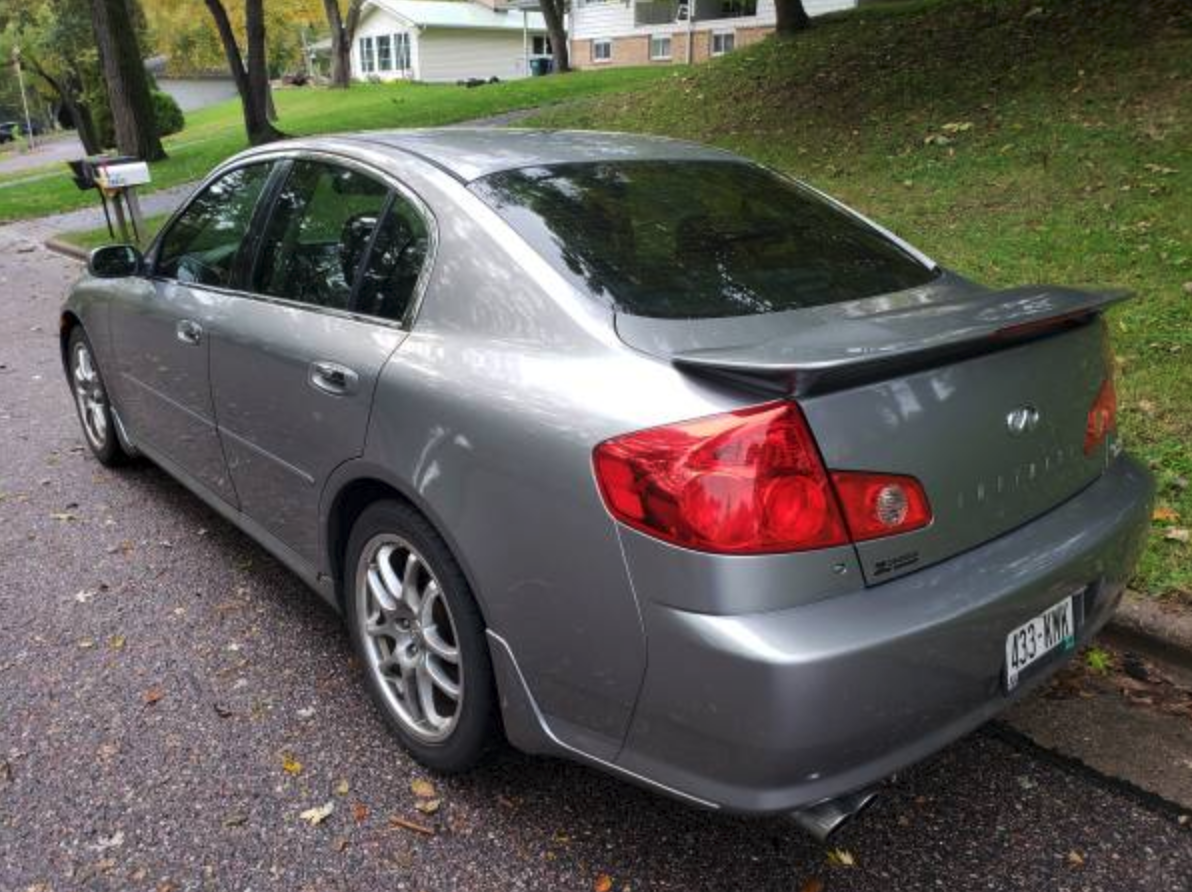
(160,332)
(294,363)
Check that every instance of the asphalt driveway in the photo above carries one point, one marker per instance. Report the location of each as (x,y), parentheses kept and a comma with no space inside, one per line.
(172,701)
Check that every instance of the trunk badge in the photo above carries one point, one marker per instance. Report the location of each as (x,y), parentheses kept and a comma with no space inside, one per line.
(1022,420)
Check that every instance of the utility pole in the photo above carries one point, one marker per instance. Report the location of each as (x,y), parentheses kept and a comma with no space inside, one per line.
(16,60)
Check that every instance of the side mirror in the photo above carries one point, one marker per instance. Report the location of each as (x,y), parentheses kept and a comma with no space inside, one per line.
(115,262)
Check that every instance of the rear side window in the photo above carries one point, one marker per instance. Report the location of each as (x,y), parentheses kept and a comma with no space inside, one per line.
(390,275)
(318,234)
(686,240)
(201,246)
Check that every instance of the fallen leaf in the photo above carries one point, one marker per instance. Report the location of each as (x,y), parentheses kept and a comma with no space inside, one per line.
(290,765)
(359,812)
(841,858)
(813,884)
(340,844)
(317,815)
(109,842)
(116,642)
(603,883)
(64,516)
(428,806)
(423,789)
(1177,534)
(1163,514)
(342,788)
(152,695)
(235,820)
(395,822)
(1075,859)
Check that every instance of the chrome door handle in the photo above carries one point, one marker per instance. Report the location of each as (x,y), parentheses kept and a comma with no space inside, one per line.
(189,332)
(333,378)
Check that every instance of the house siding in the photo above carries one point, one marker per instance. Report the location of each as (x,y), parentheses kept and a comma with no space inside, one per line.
(613,20)
(451,55)
(445,54)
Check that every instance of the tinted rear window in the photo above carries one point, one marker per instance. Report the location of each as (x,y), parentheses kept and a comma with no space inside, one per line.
(685,240)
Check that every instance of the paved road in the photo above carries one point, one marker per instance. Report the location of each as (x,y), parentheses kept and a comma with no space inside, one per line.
(58,148)
(157,669)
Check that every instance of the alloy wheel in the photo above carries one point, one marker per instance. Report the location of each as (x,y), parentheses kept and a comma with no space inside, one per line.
(410,640)
(90,396)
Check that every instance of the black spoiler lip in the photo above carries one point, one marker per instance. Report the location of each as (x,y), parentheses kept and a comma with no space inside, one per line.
(858,345)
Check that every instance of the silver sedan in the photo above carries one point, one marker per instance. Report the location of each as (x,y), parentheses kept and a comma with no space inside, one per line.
(627,450)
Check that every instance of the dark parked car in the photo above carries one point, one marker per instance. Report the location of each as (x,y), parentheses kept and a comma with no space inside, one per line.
(627,450)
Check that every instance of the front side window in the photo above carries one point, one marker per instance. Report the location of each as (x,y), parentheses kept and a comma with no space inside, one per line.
(384,53)
(660,47)
(202,245)
(390,275)
(723,43)
(367,60)
(602,50)
(697,239)
(318,234)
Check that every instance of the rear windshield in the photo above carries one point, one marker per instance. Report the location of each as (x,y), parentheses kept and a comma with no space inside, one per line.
(684,240)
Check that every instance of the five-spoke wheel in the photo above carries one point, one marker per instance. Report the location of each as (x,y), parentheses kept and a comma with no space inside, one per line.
(91,400)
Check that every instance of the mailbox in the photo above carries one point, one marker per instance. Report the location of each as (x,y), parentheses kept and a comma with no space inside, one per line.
(122,175)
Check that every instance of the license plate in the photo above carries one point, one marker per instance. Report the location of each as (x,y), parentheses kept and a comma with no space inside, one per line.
(1054,628)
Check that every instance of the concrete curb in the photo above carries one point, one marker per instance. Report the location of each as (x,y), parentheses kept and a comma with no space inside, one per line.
(72,251)
(1147,625)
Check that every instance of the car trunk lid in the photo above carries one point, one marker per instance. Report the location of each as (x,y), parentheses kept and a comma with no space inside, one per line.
(983,396)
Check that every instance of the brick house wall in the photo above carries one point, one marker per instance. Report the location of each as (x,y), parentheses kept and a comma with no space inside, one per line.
(635,50)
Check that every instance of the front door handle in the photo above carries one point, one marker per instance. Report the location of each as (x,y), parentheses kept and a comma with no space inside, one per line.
(333,378)
(189,332)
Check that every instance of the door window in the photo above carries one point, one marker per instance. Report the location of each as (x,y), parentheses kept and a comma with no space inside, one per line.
(202,244)
(317,236)
(390,276)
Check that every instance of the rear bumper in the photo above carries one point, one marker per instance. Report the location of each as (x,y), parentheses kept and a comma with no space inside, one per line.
(766,712)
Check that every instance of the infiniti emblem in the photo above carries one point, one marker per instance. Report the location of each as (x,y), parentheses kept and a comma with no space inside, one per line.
(1022,420)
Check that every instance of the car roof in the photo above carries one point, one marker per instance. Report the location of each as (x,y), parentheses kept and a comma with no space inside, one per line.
(468,153)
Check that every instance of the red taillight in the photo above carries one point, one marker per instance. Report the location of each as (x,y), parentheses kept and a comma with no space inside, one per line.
(877,505)
(1102,417)
(747,482)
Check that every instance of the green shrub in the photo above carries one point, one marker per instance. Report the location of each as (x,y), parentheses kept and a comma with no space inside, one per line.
(166,112)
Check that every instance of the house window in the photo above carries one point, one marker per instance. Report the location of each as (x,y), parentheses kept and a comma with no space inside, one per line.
(731,9)
(660,47)
(368,63)
(384,52)
(723,43)
(401,47)
(602,50)
(540,45)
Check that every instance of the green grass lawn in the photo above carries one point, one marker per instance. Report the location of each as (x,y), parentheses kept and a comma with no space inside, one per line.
(1014,140)
(94,238)
(214,133)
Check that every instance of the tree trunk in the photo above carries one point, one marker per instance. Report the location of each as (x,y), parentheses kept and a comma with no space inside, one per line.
(553,12)
(127,83)
(791,16)
(68,90)
(252,82)
(343,32)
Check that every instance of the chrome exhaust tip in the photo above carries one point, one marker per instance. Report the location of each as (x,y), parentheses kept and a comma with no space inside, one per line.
(823,819)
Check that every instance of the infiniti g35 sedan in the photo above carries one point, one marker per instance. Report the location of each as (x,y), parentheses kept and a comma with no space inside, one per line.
(626,450)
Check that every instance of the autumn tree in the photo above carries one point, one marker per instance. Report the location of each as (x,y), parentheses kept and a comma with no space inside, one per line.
(249,70)
(791,17)
(126,80)
(343,31)
(57,47)
(554,12)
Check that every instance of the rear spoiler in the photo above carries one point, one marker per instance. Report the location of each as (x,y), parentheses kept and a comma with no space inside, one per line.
(870,339)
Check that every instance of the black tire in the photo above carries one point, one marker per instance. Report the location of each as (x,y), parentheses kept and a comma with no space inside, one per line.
(476,732)
(103,440)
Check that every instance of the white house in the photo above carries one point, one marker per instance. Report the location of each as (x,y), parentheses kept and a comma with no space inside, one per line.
(661,32)
(446,40)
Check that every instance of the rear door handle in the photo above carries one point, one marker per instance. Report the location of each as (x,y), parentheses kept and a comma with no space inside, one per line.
(189,332)
(333,378)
